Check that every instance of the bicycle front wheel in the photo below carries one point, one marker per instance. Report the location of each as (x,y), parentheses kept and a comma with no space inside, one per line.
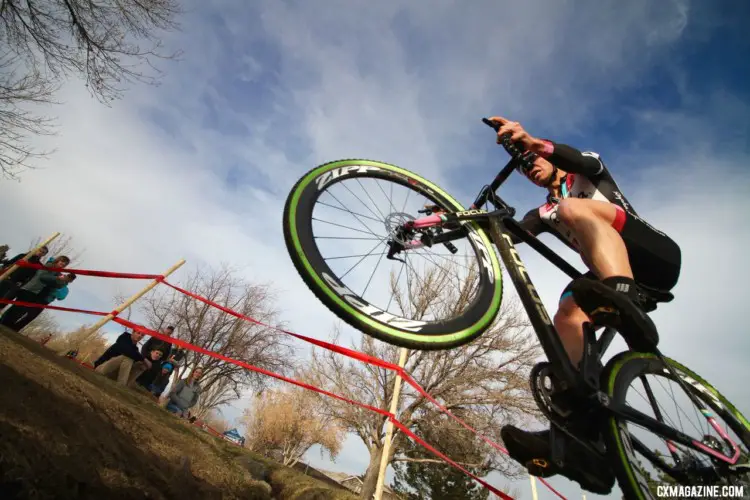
(430,298)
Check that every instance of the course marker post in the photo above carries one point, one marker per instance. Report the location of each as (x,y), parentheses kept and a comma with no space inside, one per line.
(106,319)
(31,252)
(389,427)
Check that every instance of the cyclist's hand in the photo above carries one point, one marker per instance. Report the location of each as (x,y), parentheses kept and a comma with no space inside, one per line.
(516,131)
(429,208)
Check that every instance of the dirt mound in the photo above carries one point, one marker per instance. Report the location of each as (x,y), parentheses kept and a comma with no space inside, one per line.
(67,432)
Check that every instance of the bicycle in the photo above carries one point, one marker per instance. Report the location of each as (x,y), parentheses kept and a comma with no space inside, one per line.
(597,390)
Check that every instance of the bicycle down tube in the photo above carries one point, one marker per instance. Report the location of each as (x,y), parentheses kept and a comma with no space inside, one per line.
(540,320)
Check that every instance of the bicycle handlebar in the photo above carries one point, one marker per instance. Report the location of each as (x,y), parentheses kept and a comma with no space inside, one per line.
(517,158)
(514,151)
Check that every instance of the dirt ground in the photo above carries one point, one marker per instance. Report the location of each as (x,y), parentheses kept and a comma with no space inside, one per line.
(67,432)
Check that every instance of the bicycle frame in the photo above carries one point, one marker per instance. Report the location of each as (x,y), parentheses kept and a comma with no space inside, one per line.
(583,384)
(500,224)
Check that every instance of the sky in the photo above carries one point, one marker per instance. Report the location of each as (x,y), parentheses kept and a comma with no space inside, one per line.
(200,166)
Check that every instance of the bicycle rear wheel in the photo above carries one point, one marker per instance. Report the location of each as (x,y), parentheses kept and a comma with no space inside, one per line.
(639,459)
(316,220)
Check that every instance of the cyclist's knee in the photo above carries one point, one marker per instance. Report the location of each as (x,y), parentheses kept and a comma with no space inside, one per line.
(572,210)
(569,211)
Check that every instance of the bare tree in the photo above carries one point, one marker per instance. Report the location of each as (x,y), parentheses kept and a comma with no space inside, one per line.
(18,88)
(485,382)
(46,41)
(42,326)
(288,423)
(89,347)
(62,245)
(208,327)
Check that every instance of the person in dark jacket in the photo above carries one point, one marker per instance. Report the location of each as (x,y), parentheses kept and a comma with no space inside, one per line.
(145,375)
(157,385)
(118,360)
(162,345)
(10,286)
(154,344)
(3,254)
(41,289)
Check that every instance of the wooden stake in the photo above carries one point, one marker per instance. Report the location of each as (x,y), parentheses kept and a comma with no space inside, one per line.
(533,487)
(106,319)
(389,428)
(31,252)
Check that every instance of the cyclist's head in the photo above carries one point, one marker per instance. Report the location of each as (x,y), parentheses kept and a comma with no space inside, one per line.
(539,171)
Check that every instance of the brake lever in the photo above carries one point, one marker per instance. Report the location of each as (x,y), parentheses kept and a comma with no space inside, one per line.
(516,153)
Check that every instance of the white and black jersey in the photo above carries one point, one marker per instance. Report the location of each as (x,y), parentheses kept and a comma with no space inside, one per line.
(654,257)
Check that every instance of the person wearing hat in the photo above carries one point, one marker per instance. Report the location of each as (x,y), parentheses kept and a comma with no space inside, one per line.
(161,380)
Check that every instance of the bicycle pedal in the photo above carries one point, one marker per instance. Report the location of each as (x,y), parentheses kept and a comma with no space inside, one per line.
(539,467)
(605,310)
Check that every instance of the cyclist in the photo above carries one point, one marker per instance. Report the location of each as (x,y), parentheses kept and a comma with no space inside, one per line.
(586,210)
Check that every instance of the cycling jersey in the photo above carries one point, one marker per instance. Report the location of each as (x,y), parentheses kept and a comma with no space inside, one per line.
(654,257)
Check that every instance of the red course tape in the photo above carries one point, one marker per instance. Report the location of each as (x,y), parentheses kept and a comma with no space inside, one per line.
(365,358)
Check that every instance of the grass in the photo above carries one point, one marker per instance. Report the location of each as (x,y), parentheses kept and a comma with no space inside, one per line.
(67,432)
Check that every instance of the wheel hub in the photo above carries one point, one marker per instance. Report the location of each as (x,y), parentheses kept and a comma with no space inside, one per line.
(394,225)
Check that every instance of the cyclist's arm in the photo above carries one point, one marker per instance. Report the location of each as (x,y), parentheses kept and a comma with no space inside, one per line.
(570,159)
(532,223)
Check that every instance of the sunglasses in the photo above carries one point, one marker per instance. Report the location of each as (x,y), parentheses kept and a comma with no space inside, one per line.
(526,162)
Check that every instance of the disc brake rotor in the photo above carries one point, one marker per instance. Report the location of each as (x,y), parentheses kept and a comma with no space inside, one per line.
(394,225)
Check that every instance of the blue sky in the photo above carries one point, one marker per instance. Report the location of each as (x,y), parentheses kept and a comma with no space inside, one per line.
(200,166)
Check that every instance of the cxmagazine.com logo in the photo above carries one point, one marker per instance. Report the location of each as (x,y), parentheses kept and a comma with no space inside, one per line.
(713,491)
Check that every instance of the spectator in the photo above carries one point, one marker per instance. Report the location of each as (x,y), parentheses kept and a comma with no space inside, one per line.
(43,288)
(164,346)
(3,254)
(159,382)
(147,375)
(177,359)
(10,286)
(118,360)
(185,394)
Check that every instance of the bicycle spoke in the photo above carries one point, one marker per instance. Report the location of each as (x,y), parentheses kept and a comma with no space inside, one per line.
(379,237)
(344,238)
(445,257)
(346,257)
(373,274)
(358,219)
(360,260)
(408,193)
(348,211)
(401,270)
(390,202)
(362,202)
(680,410)
(370,197)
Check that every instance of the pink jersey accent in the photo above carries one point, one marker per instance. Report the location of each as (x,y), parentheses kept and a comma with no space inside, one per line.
(547,149)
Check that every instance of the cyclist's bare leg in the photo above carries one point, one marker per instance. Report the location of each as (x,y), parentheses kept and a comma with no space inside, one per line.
(602,250)
(569,320)
(601,245)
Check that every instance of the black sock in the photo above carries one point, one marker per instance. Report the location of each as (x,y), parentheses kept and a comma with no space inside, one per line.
(624,285)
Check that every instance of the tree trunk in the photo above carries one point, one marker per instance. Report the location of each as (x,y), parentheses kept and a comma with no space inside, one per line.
(371,476)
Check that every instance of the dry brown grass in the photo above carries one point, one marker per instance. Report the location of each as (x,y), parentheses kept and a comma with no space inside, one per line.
(67,432)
